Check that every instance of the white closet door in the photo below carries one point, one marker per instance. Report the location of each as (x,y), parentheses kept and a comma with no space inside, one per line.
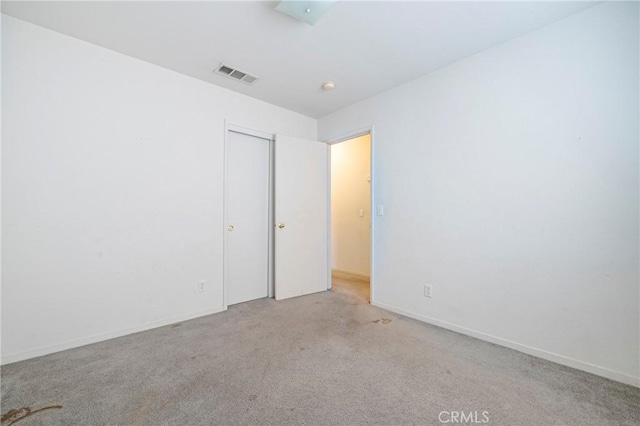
(301,216)
(247,205)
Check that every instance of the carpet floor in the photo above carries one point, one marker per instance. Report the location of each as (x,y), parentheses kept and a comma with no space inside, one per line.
(326,358)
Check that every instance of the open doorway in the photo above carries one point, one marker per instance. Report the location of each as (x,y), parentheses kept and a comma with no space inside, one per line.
(351,217)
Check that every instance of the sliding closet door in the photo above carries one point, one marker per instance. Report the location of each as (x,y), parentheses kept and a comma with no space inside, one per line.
(247,217)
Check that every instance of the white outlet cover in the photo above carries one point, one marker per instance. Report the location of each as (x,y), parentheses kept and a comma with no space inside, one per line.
(427,291)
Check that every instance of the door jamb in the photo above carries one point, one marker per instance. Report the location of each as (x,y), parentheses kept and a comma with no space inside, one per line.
(347,136)
(231,127)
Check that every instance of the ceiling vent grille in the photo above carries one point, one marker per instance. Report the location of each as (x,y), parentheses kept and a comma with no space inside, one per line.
(235,74)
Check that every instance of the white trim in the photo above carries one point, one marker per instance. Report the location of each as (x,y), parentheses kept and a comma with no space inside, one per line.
(344,137)
(8,359)
(372,214)
(540,353)
(225,239)
(271,292)
(247,131)
(329,250)
(351,135)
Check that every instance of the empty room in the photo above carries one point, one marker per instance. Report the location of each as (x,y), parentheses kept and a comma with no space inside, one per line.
(320,213)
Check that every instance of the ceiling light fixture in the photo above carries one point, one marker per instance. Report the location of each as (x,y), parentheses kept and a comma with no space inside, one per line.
(305,11)
(328,85)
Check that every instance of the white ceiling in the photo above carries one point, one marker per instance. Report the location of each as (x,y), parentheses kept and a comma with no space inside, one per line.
(365,47)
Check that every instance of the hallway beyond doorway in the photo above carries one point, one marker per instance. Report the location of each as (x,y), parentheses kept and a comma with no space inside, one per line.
(351,220)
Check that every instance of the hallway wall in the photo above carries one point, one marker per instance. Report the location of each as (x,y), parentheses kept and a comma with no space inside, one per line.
(350,192)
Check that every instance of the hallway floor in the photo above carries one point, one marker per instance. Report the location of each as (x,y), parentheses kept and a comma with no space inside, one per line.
(352,286)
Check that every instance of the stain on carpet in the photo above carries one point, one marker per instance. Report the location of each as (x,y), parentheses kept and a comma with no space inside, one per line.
(382,321)
(15,415)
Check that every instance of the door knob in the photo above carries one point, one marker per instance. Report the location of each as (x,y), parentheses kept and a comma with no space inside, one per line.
(230,228)
(281,225)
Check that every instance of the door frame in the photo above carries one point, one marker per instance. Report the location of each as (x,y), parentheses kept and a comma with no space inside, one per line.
(231,127)
(342,138)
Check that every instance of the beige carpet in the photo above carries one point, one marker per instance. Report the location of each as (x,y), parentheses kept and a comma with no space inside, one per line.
(327,358)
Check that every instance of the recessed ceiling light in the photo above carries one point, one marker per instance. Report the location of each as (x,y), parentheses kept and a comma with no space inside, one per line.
(328,85)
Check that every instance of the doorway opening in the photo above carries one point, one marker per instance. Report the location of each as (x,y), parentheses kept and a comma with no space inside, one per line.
(351,217)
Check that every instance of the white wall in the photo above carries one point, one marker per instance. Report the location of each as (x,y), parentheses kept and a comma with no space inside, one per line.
(510,184)
(350,192)
(112,190)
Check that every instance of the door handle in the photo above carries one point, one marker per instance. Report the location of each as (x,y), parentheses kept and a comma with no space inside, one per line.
(281,225)
(230,228)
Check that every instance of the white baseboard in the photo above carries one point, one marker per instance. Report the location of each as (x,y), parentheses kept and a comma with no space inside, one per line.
(347,274)
(549,356)
(21,356)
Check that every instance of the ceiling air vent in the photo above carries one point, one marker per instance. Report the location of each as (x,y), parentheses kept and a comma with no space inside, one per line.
(235,74)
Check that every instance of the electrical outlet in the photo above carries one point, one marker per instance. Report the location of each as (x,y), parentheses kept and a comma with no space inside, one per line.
(202,286)
(427,291)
